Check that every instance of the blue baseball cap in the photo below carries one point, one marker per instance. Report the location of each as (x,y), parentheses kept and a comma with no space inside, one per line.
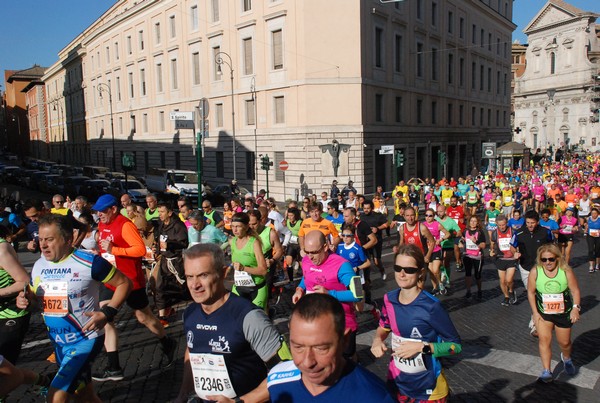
(104,202)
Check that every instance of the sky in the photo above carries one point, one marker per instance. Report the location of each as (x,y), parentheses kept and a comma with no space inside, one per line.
(34,31)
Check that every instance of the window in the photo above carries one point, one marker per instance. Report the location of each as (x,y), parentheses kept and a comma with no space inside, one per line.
(497,118)
(498,46)
(118,85)
(473,75)
(277,41)
(461,72)
(120,125)
(473,116)
(248,66)
(172,27)
(419,60)
(159,77)
(481,38)
(489,79)
(419,111)
(194,17)
(419,9)
(434,64)
(143,82)
(128,42)
(177,159)
(498,82)
(250,112)
(279,110)
(450,113)
(450,22)
(378,107)
(161,121)
(278,157)
(450,68)
(434,113)
(145,123)
(157,33)
(378,47)
(141,39)
(474,34)
(146,160)
(219,115)
(130,84)
(398,54)
(489,117)
(107,55)
(163,159)
(480,116)
(552,63)
(196,68)
(215,10)
(220,164)
(398,109)
(174,84)
(116,50)
(481,77)
(132,122)
(461,115)
(505,84)
(434,14)
(489,42)
(504,118)
(217,75)
(246,5)
(461,28)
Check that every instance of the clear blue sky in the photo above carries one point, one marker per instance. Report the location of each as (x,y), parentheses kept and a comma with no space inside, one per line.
(34,31)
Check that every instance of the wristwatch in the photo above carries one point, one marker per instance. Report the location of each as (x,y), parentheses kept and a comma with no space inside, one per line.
(577,306)
(238,400)
(426,348)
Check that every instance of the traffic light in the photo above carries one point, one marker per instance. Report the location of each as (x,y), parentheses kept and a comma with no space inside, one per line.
(265,164)
(443,158)
(399,159)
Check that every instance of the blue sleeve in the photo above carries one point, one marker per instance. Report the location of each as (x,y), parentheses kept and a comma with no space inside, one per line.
(14,220)
(102,270)
(361,255)
(549,236)
(345,275)
(513,241)
(443,325)
(301,284)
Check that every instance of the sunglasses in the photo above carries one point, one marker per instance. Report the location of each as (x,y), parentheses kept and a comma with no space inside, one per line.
(347,235)
(428,215)
(548,259)
(407,270)
(313,252)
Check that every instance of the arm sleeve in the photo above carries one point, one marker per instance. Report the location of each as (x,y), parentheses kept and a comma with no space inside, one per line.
(333,230)
(102,270)
(443,325)
(136,246)
(261,334)
(345,274)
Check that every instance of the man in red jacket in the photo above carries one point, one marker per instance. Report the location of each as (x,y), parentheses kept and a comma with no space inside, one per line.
(122,245)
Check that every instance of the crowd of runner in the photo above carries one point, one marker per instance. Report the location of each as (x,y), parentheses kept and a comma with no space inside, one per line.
(94,258)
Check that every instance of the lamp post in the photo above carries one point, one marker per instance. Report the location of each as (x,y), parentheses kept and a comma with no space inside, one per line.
(220,61)
(254,99)
(102,87)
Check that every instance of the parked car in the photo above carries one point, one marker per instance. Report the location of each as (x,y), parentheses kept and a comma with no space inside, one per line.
(46,184)
(173,181)
(36,178)
(114,175)
(73,185)
(132,187)
(222,193)
(24,177)
(94,188)
(95,172)
(9,173)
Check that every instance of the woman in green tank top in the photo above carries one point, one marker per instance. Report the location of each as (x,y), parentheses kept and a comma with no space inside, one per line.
(14,322)
(554,298)
(248,262)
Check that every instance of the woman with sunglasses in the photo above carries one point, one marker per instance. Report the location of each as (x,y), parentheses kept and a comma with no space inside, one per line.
(439,234)
(421,330)
(554,298)
(474,244)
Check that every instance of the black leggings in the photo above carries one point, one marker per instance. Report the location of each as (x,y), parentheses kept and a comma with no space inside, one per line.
(475,265)
(593,247)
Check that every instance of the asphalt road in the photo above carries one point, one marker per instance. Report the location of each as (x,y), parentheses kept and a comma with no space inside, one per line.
(499,362)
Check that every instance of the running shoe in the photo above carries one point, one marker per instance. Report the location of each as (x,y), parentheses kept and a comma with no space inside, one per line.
(569,367)
(169,351)
(546,376)
(505,302)
(468,294)
(384,276)
(591,270)
(512,297)
(443,275)
(109,375)
(459,267)
(443,289)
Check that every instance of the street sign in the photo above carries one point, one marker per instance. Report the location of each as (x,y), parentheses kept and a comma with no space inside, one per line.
(488,150)
(386,150)
(184,124)
(181,115)
(128,161)
(283,165)
(203,108)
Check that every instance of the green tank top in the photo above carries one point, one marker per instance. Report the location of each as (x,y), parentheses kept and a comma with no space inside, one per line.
(246,257)
(294,229)
(8,305)
(210,217)
(557,285)
(472,197)
(265,238)
(150,216)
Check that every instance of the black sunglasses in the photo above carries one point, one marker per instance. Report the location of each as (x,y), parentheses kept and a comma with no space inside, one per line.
(548,259)
(428,215)
(407,270)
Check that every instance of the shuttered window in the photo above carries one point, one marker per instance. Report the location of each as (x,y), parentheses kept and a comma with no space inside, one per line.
(277,39)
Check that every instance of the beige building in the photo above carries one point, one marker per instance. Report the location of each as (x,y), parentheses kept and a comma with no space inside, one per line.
(320,84)
(557,97)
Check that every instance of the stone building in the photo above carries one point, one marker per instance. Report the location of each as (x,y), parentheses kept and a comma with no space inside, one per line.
(557,96)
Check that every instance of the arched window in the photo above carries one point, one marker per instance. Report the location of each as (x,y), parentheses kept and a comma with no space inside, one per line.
(552,63)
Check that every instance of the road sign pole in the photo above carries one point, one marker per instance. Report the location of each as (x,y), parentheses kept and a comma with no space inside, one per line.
(267,181)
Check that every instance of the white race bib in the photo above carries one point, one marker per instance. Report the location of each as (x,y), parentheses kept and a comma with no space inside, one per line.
(110,257)
(294,239)
(211,376)
(553,303)
(54,295)
(595,232)
(507,199)
(243,279)
(568,229)
(471,245)
(413,365)
(504,244)
(492,220)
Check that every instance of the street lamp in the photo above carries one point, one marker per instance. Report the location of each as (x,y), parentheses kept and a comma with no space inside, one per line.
(102,87)
(220,61)
(254,100)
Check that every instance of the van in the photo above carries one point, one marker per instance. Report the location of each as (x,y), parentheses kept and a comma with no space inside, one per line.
(172,181)
(95,172)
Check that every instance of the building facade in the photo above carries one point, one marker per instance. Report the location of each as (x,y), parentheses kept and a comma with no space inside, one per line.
(39,145)
(320,85)
(556,99)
